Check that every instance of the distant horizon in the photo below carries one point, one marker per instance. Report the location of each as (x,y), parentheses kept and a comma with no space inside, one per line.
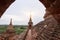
(8,24)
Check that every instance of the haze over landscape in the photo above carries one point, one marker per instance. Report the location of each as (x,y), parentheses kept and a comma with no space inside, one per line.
(20,11)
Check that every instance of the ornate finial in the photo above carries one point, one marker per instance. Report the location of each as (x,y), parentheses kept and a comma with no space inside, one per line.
(30,18)
(30,15)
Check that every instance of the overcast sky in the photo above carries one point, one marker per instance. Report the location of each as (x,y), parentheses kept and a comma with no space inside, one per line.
(20,11)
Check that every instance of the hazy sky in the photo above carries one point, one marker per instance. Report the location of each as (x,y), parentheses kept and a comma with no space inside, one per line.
(20,11)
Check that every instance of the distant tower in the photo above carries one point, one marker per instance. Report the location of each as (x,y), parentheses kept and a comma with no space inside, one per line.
(10,25)
(30,23)
(10,33)
(10,29)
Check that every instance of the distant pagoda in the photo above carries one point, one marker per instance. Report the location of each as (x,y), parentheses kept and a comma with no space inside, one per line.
(10,33)
(10,28)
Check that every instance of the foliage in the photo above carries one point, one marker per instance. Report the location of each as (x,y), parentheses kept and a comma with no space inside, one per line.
(16,28)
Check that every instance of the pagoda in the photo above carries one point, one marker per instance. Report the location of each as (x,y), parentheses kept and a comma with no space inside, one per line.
(10,33)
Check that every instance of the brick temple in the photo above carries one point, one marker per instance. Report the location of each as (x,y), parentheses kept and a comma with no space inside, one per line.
(9,34)
(49,29)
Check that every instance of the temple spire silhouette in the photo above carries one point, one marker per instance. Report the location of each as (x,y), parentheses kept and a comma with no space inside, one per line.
(11,21)
(30,23)
(10,25)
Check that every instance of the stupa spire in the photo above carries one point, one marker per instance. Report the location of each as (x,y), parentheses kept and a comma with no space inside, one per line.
(30,18)
(10,25)
(30,23)
(11,21)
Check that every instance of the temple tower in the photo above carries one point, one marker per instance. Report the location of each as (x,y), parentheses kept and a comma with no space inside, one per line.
(10,27)
(10,33)
(30,23)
